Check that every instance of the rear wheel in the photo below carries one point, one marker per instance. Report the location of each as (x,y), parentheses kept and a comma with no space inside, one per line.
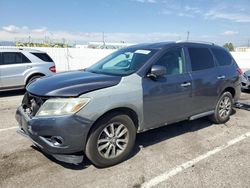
(223,109)
(31,79)
(111,140)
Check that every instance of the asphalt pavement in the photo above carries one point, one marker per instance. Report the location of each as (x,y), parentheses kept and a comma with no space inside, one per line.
(186,154)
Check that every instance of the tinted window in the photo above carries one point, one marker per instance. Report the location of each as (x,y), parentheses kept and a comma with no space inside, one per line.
(25,59)
(173,61)
(201,58)
(43,56)
(13,58)
(222,57)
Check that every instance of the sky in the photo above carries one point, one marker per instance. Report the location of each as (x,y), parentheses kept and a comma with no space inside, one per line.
(132,21)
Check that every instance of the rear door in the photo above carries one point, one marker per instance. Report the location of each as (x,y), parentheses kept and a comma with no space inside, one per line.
(204,79)
(13,67)
(168,98)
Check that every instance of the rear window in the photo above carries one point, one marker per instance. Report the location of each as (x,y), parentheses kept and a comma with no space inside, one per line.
(201,58)
(13,58)
(43,56)
(222,57)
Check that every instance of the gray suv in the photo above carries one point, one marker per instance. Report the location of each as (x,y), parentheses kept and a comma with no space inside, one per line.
(98,111)
(18,67)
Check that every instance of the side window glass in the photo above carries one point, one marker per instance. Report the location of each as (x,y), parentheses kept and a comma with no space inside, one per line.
(18,57)
(1,59)
(9,58)
(201,58)
(25,59)
(222,57)
(13,58)
(173,61)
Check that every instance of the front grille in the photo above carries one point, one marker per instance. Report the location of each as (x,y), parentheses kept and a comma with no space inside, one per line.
(32,103)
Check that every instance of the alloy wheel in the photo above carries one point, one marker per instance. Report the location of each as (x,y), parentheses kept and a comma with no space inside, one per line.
(225,107)
(113,140)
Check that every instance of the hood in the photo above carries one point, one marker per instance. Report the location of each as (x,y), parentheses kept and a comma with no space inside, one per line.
(71,84)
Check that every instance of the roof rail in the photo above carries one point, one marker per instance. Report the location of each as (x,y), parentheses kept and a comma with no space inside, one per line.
(194,41)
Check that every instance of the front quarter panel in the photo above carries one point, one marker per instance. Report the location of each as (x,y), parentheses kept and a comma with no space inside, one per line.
(128,93)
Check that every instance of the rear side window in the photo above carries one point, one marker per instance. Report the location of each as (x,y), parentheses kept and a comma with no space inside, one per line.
(222,57)
(13,58)
(43,56)
(201,58)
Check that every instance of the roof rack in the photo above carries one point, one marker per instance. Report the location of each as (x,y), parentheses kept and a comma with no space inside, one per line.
(193,41)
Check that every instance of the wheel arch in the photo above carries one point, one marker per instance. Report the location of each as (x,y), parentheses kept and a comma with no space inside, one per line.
(230,90)
(123,110)
(32,75)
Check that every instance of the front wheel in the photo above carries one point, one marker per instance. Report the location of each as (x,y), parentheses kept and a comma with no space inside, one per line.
(111,140)
(223,109)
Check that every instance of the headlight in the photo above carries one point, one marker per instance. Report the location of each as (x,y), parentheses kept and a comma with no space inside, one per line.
(61,106)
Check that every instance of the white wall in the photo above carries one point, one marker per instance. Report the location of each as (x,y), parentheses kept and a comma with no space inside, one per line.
(79,58)
(242,59)
(75,58)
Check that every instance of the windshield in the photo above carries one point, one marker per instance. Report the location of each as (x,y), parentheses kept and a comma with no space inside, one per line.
(122,62)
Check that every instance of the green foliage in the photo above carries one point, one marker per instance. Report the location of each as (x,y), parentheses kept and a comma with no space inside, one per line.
(229,46)
(53,45)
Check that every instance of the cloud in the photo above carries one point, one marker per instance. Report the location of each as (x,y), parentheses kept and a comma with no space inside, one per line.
(12,32)
(40,30)
(22,29)
(146,1)
(14,29)
(229,33)
(240,17)
(180,10)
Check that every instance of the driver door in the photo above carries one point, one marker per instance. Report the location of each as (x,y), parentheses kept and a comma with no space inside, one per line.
(167,99)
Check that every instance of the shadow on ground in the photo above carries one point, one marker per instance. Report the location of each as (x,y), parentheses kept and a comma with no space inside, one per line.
(146,139)
(12,93)
(170,131)
(84,164)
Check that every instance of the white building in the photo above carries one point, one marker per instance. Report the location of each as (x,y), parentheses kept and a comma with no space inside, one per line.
(242,49)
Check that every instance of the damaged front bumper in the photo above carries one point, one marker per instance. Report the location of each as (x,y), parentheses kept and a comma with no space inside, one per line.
(60,136)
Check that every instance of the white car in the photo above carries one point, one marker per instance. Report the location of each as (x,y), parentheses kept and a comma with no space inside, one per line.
(245,80)
(18,67)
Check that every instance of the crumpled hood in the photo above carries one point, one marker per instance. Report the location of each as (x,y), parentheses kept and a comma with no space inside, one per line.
(71,84)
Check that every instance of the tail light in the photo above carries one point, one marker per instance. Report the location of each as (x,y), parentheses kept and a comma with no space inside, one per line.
(239,71)
(52,69)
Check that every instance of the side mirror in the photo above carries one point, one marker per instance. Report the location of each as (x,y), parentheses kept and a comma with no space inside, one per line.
(157,71)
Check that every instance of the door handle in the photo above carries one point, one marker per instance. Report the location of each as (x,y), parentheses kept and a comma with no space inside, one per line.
(221,77)
(29,67)
(185,84)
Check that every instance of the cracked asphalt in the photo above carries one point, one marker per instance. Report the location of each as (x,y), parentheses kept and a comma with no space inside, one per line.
(156,152)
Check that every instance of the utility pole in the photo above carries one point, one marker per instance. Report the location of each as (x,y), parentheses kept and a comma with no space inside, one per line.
(29,39)
(103,40)
(188,35)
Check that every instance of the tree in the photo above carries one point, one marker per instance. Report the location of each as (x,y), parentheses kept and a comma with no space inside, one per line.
(229,46)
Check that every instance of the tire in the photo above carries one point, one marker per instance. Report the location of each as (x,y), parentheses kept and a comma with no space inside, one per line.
(223,109)
(105,150)
(31,79)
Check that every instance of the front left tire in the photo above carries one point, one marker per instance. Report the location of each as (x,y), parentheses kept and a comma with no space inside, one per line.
(111,140)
